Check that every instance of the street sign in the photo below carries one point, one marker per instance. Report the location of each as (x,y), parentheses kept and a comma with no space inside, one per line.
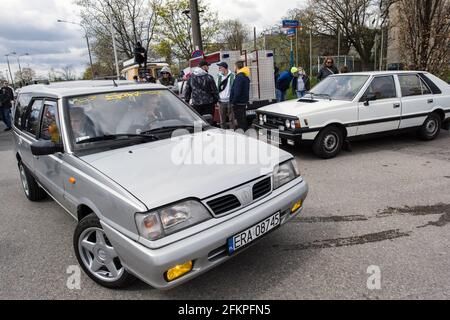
(291,33)
(197,54)
(291,24)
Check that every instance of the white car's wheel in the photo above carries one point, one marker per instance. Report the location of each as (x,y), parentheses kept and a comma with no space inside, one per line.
(328,143)
(431,127)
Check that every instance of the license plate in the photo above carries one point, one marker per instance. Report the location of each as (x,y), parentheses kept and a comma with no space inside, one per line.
(274,138)
(251,234)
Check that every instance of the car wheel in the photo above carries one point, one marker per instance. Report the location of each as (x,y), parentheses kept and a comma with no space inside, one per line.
(97,256)
(328,143)
(30,187)
(430,128)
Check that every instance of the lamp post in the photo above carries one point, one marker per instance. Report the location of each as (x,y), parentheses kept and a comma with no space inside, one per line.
(20,68)
(9,67)
(87,41)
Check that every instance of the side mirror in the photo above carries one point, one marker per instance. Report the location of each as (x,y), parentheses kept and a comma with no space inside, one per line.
(45,148)
(208,118)
(369,97)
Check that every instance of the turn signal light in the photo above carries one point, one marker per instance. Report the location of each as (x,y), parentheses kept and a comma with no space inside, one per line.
(296,206)
(178,271)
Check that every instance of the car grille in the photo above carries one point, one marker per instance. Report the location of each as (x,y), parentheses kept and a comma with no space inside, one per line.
(262,188)
(224,204)
(275,122)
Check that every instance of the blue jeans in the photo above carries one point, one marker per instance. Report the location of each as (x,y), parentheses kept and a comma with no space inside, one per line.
(281,96)
(6,115)
(301,94)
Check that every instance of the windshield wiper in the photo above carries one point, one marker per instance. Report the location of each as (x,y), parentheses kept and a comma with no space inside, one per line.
(118,136)
(173,128)
(323,95)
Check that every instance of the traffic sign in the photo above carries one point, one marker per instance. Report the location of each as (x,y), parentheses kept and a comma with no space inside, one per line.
(291,33)
(291,24)
(197,54)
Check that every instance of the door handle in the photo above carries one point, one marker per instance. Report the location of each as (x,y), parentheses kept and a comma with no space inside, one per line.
(396,105)
(430,101)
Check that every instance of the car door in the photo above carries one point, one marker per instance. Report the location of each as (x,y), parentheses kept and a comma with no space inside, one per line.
(417,100)
(48,168)
(383,113)
(30,128)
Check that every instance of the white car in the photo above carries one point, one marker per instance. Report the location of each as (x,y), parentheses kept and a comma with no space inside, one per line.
(344,107)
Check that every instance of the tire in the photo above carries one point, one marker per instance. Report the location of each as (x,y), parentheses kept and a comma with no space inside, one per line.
(328,143)
(430,128)
(97,257)
(30,187)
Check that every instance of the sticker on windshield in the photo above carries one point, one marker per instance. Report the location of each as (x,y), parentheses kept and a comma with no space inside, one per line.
(82,100)
(124,95)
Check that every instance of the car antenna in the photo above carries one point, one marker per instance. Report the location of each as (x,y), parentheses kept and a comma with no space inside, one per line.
(115,84)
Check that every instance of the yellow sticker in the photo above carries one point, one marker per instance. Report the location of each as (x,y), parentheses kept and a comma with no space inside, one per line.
(82,100)
(124,95)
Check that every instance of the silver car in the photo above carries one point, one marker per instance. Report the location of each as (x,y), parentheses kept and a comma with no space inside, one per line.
(111,154)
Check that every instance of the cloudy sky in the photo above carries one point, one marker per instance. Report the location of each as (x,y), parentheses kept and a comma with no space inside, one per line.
(29,26)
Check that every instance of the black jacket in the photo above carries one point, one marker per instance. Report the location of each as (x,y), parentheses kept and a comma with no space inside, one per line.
(295,83)
(325,72)
(201,88)
(6,96)
(240,92)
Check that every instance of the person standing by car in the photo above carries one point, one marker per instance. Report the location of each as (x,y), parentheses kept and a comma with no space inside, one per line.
(6,99)
(327,69)
(225,82)
(240,96)
(283,83)
(300,82)
(202,89)
(166,78)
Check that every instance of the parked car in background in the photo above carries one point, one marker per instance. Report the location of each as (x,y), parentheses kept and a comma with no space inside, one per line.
(105,152)
(350,106)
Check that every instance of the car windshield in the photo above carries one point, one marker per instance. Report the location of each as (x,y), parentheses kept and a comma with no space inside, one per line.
(126,115)
(339,87)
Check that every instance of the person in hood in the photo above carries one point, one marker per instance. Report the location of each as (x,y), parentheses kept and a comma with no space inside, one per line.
(201,89)
(240,95)
(300,83)
(282,85)
(225,81)
(166,78)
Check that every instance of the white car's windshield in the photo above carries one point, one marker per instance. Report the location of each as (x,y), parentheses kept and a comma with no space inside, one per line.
(126,114)
(339,87)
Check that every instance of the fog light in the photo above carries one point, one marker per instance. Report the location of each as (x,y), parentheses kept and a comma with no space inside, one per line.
(178,271)
(296,206)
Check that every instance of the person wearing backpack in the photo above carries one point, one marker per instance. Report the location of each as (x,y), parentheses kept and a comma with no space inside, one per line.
(225,82)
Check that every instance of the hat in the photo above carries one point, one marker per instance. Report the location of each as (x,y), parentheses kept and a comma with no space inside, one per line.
(166,69)
(223,64)
(294,70)
(203,63)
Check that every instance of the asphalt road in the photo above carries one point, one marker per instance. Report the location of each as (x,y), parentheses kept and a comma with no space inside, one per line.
(386,204)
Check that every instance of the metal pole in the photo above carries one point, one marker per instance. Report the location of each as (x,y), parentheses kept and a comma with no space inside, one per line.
(196,30)
(296,47)
(9,68)
(382,47)
(339,47)
(310,54)
(375,52)
(254,39)
(114,44)
(89,51)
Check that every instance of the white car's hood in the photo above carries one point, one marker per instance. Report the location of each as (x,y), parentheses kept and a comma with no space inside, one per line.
(296,109)
(156,174)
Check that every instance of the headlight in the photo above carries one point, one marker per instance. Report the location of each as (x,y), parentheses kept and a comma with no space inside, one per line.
(168,220)
(285,173)
(288,124)
(293,124)
(265,118)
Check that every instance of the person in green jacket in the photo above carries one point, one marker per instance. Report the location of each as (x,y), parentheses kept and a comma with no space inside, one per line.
(224,84)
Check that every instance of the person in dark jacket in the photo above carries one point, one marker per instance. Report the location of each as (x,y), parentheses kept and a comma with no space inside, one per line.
(327,69)
(240,96)
(300,83)
(140,55)
(6,97)
(202,90)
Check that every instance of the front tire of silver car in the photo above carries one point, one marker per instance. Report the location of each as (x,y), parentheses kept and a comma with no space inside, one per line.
(30,187)
(430,128)
(97,256)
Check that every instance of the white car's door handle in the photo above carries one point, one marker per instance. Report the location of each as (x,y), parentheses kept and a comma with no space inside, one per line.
(396,105)
(430,101)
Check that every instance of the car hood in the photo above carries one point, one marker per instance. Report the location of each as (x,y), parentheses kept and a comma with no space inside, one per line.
(296,109)
(156,174)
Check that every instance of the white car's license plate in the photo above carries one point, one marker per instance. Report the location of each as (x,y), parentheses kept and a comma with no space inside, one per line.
(251,234)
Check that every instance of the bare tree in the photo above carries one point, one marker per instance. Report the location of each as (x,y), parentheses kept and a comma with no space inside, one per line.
(234,34)
(425,34)
(26,75)
(67,73)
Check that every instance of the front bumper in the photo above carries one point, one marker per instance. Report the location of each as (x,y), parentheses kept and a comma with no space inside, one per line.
(206,249)
(294,136)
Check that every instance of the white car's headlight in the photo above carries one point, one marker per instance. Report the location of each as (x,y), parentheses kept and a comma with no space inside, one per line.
(168,220)
(285,173)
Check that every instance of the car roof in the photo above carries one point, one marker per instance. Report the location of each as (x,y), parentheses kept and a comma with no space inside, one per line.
(376,73)
(85,87)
